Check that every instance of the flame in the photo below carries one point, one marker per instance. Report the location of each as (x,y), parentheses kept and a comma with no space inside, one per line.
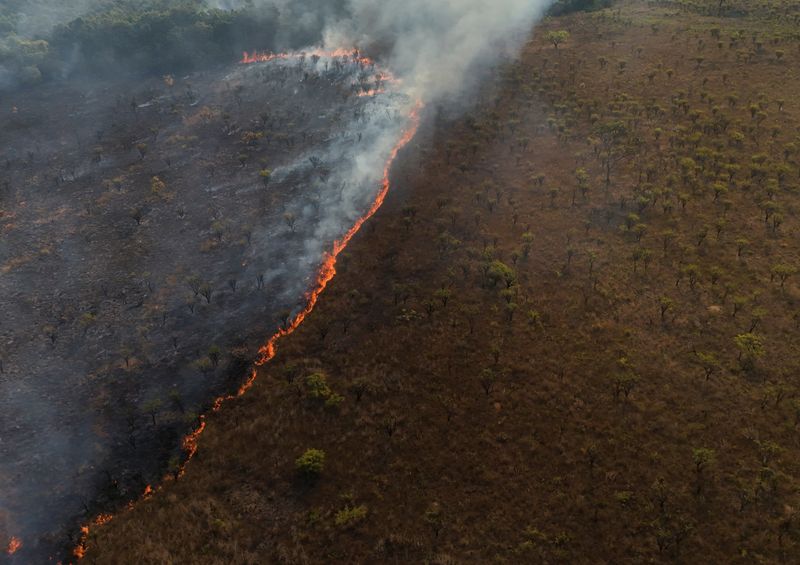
(354,54)
(80,549)
(13,545)
(337,54)
(103,519)
(328,269)
(325,275)
(373,92)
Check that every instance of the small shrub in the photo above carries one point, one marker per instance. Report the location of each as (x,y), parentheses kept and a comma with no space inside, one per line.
(350,516)
(311,463)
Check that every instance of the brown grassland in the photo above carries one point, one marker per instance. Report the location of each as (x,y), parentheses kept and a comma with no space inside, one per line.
(570,335)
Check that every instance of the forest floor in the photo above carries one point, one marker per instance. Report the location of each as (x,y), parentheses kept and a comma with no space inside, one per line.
(570,334)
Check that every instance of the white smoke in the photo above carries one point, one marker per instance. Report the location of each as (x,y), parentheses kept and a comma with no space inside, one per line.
(35,18)
(436,45)
(433,45)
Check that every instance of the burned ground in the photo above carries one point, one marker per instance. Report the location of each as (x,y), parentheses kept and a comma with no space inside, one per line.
(153,234)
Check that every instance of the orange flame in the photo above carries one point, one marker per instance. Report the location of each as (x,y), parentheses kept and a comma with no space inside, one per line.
(344,54)
(326,273)
(103,519)
(355,55)
(328,269)
(80,549)
(14,544)
(373,92)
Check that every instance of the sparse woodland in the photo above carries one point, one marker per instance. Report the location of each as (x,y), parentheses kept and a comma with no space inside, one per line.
(570,336)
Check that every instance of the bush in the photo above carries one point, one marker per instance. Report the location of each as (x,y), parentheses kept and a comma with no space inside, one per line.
(20,61)
(311,463)
(317,386)
(350,516)
(319,390)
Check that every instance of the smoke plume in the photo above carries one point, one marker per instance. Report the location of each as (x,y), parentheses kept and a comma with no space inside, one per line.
(435,47)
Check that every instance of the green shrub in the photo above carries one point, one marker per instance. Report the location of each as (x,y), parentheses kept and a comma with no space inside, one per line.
(317,386)
(311,463)
(319,390)
(350,516)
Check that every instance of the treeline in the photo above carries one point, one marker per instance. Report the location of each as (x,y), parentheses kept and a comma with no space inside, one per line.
(170,40)
(786,10)
(562,7)
(150,36)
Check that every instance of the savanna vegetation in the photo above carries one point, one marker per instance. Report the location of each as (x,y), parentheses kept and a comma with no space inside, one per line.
(569,336)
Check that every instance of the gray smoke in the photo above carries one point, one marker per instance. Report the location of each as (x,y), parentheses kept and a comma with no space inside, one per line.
(36,18)
(435,46)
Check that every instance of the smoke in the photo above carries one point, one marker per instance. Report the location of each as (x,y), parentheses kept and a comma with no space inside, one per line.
(7,79)
(437,46)
(35,18)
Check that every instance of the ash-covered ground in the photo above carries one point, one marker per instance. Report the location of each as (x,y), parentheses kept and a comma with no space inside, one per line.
(154,233)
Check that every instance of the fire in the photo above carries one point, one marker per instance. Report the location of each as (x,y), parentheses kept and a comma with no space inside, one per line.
(190,441)
(354,54)
(80,549)
(373,92)
(325,275)
(14,544)
(103,519)
(328,269)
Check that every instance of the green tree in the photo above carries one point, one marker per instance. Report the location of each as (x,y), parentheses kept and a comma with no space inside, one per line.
(310,464)
(487,380)
(350,516)
(624,382)
(527,242)
(709,363)
(782,272)
(317,386)
(499,271)
(751,348)
(557,37)
(444,295)
(703,458)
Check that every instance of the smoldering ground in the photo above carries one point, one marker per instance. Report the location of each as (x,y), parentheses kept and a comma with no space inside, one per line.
(145,256)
